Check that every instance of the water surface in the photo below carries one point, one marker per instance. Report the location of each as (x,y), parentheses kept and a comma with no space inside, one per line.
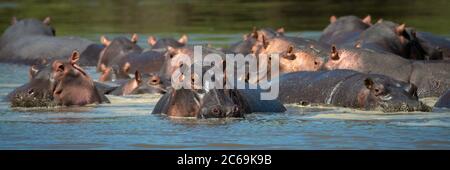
(128,124)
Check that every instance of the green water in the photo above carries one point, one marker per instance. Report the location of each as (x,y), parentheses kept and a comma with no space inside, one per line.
(83,17)
(126,123)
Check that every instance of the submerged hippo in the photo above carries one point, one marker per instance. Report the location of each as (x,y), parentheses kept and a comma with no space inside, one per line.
(431,77)
(27,41)
(389,37)
(59,83)
(347,88)
(163,43)
(249,40)
(117,49)
(210,102)
(344,29)
(435,47)
(295,54)
(444,100)
(140,84)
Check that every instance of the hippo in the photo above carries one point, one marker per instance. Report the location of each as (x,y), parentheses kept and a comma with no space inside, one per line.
(444,100)
(148,62)
(163,43)
(344,29)
(59,83)
(248,40)
(389,37)
(117,49)
(348,88)
(27,41)
(435,47)
(174,54)
(296,54)
(210,102)
(90,56)
(140,84)
(431,77)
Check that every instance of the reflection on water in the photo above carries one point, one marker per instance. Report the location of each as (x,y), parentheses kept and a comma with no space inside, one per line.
(203,16)
(128,124)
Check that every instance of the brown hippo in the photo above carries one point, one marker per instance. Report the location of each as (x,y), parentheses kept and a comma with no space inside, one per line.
(249,40)
(117,49)
(140,84)
(387,36)
(59,83)
(347,88)
(27,41)
(431,77)
(444,100)
(163,43)
(296,54)
(148,62)
(344,29)
(210,102)
(435,47)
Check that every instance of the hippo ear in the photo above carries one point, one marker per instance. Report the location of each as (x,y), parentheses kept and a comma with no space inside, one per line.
(13,20)
(358,44)
(333,19)
(255,33)
(264,42)
(334,53)
(74,57)
(367,20)
(368,82)
(58,66)
(138,76)
(134,38)
(126,67)
(400,29)
(183,39)
(33,71)
(151,40)
(105,40)
(47,21)
(280,30)
(380,20)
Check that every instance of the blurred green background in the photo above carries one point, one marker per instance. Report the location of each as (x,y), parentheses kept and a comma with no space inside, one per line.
(81,17)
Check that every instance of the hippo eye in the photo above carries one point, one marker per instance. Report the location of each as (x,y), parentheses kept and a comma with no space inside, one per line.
(215,110)
(316,63)
(31,91)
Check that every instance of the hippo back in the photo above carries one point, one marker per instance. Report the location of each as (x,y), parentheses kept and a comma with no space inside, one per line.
(444,100)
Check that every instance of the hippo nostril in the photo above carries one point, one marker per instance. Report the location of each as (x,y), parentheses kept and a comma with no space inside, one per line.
(235,109)
(31,92)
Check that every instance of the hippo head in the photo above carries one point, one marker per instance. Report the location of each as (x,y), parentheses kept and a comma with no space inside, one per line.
(143,84)
(26,27)
(71,84)
(390,95)
(267,33)
(292,57)
(392,37)
(166,42)
(37,92)
(117,49)
(203,101)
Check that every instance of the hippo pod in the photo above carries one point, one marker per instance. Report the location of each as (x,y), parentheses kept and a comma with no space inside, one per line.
(347,88)
(59,83)
(29,40)
(444,100)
